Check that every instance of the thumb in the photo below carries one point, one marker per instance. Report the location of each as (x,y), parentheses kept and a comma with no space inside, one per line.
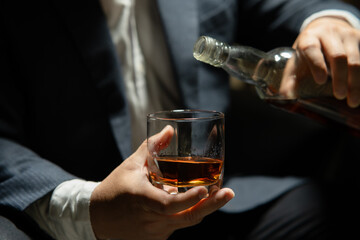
(156,143)
(150,147)
(153,145)
(160,140)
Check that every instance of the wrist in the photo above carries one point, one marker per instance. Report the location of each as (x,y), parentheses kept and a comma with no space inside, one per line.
(339,14)
(64,214)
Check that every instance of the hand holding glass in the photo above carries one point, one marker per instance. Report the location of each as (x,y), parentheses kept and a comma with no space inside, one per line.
(194,156)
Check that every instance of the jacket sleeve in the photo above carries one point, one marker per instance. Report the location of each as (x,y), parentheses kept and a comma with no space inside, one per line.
(277,23)
(24,175)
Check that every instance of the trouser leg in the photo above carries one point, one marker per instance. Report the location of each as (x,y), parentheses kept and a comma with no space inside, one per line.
(310,211)
(17,225)
(8,230)
(299,214)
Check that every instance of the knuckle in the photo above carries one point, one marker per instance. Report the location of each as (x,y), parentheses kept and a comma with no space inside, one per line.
(350,32)
(307,41)
(307,46)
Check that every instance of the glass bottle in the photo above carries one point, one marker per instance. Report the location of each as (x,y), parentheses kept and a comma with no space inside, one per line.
(264,70)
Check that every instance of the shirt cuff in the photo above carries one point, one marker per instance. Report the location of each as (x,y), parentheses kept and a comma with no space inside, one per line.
(349,17)
(64,214)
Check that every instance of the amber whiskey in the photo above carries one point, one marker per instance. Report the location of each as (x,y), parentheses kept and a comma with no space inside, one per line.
(187,171)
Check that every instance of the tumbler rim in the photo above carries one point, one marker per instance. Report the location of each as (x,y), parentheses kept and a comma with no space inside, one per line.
(170,115)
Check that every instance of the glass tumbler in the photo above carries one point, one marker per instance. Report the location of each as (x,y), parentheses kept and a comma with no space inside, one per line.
(193,154)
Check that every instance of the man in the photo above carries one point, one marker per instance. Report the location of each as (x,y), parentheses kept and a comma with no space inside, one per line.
(67,108)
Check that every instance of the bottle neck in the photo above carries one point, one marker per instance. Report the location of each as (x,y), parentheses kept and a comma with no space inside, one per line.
(238,61)
(211,51)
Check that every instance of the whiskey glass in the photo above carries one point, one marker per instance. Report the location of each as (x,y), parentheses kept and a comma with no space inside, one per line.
(194,155)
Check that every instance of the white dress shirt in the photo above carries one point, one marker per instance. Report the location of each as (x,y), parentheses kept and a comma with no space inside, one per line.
(136,31)
(137,34)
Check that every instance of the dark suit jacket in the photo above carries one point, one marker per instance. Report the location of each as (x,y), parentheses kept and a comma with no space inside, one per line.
(63,113)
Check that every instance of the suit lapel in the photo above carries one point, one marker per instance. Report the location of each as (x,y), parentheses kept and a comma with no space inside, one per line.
(181,25)
(87,24)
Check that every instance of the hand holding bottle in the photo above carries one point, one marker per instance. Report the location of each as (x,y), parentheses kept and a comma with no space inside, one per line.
(328,46)
(286,81)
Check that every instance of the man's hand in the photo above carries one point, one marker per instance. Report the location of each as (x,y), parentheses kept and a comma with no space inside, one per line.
(127,206)
(327,46)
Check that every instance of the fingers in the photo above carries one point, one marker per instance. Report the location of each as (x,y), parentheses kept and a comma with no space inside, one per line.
(187,207)
(307,62)
(352,49)
(194,215)
(337,58)
(153,145)
(161,202)
(310,50)
(328,43)
(354,86)
(344,58)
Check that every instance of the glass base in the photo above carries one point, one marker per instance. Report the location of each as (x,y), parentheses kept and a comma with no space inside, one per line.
(176,190)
